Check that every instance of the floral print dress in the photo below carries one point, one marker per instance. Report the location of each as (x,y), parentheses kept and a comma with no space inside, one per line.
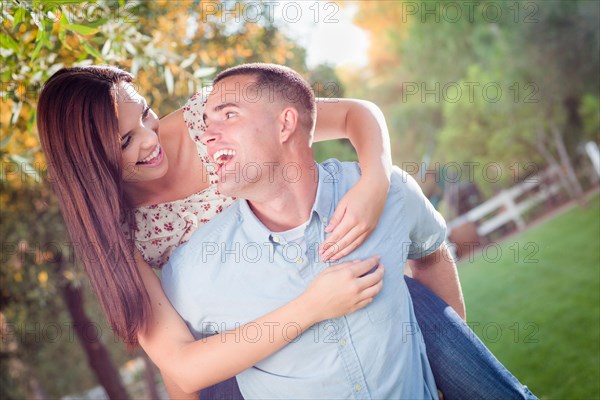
(161,228)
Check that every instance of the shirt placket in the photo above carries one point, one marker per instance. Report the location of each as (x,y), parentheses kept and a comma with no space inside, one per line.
(315,233)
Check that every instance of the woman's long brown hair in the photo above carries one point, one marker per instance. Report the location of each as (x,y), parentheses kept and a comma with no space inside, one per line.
(78,127)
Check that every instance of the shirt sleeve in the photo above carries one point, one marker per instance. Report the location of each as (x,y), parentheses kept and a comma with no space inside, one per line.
(427,226)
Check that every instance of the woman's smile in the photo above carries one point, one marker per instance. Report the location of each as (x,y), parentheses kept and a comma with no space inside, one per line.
(154,159)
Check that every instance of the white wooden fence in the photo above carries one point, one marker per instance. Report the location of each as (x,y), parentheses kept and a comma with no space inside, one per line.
(510,208)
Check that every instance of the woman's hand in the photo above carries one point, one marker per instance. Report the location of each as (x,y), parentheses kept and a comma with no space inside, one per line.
(355,217)
(344,288)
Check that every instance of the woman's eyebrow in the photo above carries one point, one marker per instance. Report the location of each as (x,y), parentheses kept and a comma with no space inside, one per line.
(144,106)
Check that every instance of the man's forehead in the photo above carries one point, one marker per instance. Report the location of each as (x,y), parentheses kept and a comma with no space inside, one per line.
(236,89)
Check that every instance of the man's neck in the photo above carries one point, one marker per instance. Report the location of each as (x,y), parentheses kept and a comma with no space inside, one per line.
(289,203)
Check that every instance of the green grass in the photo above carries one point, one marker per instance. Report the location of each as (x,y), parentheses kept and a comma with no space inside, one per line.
(538,309)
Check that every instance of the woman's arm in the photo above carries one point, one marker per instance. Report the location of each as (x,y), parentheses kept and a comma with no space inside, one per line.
(193,365)
(358,212)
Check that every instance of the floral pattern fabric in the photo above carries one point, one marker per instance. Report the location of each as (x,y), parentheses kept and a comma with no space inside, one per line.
(161,228)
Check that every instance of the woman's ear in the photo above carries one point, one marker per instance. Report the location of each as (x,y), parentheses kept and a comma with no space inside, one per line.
(288,123)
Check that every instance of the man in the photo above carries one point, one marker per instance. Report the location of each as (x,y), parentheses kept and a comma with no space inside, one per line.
(262,251)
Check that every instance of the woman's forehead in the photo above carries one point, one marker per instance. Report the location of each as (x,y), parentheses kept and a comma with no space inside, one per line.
(126,93)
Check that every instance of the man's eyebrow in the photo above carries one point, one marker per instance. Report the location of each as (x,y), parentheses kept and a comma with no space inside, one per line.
(219,108)
(224,105)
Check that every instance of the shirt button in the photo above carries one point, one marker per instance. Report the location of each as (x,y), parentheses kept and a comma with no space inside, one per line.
(357,387)
(299,260)
(342,342)
(276,239)
(324,220)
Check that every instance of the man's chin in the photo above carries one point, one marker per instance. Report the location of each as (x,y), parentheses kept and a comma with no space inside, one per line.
(226,188)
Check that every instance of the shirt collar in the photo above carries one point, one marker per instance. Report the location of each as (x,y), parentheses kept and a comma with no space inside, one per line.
(323,205)
(324,200)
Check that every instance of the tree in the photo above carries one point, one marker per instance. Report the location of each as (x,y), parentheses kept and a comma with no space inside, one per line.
(170,47)
(451,59)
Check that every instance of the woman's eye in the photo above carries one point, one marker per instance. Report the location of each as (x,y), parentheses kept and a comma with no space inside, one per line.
(146,112)
(125,142)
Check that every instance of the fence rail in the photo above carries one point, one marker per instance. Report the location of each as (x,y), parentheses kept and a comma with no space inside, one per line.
(507,206)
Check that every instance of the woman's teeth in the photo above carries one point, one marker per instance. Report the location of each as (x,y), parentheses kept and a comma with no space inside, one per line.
(153,155)
(223,156)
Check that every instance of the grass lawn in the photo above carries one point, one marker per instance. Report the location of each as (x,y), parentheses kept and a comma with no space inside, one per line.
(536,304)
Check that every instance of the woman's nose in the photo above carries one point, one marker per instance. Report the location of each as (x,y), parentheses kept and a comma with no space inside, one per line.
(150,135)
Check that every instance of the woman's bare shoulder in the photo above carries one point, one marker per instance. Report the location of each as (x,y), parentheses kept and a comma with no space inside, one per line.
(173,125)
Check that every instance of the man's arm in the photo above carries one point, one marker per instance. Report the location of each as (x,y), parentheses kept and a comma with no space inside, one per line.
(438,272)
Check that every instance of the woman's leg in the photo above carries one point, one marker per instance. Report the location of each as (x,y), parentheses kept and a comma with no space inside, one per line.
(462,366)
(226,390)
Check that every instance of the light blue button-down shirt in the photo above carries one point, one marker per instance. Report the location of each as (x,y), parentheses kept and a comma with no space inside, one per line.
(234,270)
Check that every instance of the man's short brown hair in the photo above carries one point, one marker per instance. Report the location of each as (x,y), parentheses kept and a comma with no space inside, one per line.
(281,83)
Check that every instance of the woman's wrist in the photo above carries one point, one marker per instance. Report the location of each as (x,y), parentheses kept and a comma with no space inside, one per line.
(378,178)
(307,310)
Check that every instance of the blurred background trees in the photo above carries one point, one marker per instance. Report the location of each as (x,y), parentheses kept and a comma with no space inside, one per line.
(435,74)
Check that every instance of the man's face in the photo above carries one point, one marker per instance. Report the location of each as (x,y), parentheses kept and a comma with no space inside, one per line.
(242,134)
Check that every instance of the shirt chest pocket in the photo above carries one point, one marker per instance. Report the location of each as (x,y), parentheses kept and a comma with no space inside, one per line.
(392,296)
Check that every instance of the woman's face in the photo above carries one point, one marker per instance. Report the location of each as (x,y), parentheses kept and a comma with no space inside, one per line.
(143,158)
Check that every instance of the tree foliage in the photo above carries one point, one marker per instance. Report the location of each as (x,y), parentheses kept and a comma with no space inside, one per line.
(486,82)
(172,48)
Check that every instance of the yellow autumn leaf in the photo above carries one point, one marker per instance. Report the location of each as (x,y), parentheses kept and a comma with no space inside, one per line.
(43,278)
(69,276)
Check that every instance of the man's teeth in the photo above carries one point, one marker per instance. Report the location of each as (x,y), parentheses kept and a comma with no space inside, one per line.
(153,155)
(223,155)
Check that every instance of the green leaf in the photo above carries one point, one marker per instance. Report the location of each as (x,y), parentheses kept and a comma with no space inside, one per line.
(204,72)
(97,23)
(4,142)
(26,166)
(9,42)
(16,111)
(81,29)
(37,49)
(62,36)
(19,17)
(169,80)
(92,51)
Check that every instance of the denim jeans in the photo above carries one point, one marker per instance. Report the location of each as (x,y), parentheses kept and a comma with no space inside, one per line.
(462,366)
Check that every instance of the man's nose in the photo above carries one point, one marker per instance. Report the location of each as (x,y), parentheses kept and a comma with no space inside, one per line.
(210,134)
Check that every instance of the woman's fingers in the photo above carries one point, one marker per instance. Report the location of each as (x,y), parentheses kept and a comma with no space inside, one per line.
(338,215)
(371,278)
(343,252)
(371,291)
(345,235)
(338,239)
(360,268)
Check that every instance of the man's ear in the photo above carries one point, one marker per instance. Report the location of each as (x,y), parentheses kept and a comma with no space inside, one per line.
(288,122)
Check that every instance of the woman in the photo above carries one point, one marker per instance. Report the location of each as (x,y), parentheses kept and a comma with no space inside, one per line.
(99,177)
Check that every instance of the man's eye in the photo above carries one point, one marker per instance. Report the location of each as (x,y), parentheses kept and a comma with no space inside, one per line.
(229,114)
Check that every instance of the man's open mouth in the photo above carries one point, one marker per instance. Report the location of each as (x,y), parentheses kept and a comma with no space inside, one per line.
(221,157)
